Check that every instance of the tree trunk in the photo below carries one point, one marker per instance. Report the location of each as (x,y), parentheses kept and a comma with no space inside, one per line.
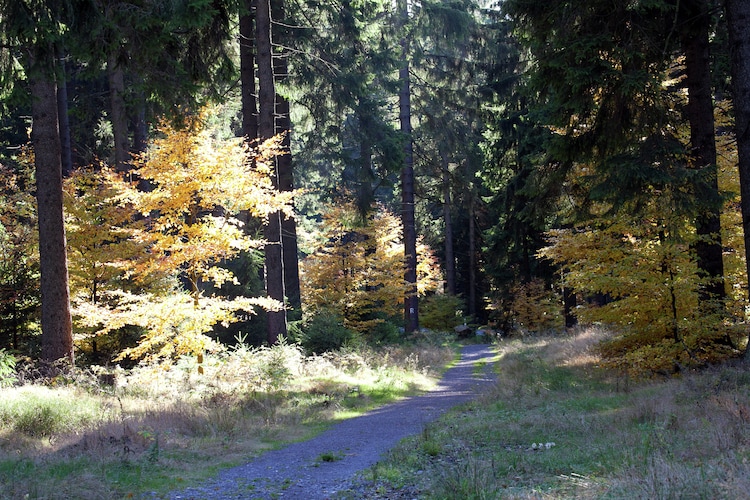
(274,253)
(247,73)
(286,181)
(570,302)
(140,127)
(738,20)
(450,259)
(66,154)
(57,337)
(365,176)
(411,300)
(700,114)
(118,117)
(472,260)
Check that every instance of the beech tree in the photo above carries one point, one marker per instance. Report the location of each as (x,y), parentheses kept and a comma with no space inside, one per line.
(356,271)
(199,185)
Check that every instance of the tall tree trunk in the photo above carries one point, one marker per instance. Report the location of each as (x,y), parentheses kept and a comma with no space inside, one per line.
(365,176)
(66,153)
(700,114)
(247,72)
(411,300)
(286,180)
(472,259)
(738,20)
(57,337)
(450,259)
(266,127)
(118,114)
(248,94)
(140,127)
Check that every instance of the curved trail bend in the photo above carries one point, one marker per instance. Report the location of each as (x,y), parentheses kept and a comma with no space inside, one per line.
(296,471)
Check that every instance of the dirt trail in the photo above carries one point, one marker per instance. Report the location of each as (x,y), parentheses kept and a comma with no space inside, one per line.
(297,472)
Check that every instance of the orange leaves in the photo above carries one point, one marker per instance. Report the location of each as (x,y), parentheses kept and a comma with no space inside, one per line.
(199,184)
(357,271)
(134,247)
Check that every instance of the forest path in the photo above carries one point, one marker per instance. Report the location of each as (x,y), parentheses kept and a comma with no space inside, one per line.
(297,471)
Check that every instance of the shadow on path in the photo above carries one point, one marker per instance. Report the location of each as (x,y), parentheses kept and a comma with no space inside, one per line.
(296,471)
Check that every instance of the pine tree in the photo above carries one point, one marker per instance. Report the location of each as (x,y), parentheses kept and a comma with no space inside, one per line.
(274,251)
(737,12)
(32,34)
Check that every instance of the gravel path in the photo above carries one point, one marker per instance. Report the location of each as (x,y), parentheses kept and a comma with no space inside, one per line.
(297,471)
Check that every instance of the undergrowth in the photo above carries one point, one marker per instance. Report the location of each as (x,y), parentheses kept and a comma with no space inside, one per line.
(558,426)
(110,433)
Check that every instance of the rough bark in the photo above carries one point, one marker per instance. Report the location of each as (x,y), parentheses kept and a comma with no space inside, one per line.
(66,153)
(286,183)
(57,337)
(411,300)
(274,257)
(700,114)
(450,259)
(738,20)
(118,114)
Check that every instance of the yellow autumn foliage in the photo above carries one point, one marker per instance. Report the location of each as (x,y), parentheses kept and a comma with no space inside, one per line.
(357,271)
(199,185)
(130,249)
(637,272)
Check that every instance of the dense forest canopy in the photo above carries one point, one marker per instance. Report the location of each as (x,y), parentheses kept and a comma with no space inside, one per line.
(176,175)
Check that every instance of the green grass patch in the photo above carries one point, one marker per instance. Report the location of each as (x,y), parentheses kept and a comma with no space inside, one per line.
(557,426)
(164,427)
(40,412)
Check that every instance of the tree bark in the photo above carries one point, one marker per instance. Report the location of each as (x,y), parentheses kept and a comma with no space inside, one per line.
(472,259)
(247,73)
(700,114)
(450,259)
(118,114)
(57,337)
(738,20)
(274,254)
(286,181)
(66,153)
(411,300)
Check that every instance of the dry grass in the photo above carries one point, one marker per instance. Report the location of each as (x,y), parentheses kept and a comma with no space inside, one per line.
(614,438)
(159,427)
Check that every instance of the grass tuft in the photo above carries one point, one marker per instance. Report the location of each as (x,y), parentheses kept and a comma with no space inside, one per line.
(557,425)
(112,434)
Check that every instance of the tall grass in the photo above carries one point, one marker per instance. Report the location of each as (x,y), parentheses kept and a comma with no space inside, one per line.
(105,434)
(558,426)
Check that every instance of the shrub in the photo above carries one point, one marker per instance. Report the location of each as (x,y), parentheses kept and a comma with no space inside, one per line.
(326,332)
(384,332)
(441,312)
(7,369)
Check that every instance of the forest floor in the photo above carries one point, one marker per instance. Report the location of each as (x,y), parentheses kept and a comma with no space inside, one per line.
(327,466)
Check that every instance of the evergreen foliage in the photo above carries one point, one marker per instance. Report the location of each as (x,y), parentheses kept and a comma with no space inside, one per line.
(19,258)
(555,153)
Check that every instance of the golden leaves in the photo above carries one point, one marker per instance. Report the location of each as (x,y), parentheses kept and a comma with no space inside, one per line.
(358,269)
(130,246)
